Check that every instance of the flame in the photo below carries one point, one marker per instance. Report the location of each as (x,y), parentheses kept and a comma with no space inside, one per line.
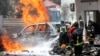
(9,44)
(34,12)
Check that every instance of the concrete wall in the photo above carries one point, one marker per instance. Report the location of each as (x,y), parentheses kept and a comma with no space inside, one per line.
(81,7)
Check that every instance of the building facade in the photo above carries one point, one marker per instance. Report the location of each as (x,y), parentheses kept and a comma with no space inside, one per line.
(88,10)
(67,14)
(54,10)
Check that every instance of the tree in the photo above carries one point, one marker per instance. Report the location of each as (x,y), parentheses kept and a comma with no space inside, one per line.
(6,7)
(3,7)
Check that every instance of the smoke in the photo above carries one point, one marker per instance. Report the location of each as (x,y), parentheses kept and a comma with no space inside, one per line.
(66,13)
(43,47)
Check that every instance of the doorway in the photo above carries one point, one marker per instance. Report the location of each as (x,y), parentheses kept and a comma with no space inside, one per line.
(93,15)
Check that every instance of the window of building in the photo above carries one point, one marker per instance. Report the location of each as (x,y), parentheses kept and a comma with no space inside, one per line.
(57,14)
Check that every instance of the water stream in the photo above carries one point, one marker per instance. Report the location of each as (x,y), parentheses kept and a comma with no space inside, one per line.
(41,49)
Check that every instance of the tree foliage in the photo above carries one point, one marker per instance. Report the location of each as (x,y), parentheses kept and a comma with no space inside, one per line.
(3,7)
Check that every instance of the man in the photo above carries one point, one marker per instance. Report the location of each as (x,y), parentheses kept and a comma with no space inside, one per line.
(77,39)
(64,36)
(70,30)
(81,23)
(63,40)
(90,33)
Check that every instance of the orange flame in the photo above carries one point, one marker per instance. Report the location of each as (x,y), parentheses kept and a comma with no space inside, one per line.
(10,45)
(34,12)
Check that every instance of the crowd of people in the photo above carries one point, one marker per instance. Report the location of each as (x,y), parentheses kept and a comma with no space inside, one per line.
(73,36)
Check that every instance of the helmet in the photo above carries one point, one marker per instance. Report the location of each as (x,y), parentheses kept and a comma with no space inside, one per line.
(73,21)
(76,24)
(62,22)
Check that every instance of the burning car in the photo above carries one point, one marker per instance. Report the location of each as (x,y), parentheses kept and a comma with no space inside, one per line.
(38,33)
(40,37)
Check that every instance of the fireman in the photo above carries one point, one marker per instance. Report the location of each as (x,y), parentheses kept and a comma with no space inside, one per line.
(90,33)
(64,36)
(81,23)
(63,40)
(77,39)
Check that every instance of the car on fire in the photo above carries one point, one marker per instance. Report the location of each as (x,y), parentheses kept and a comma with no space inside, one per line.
(37,33)
(45,29)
